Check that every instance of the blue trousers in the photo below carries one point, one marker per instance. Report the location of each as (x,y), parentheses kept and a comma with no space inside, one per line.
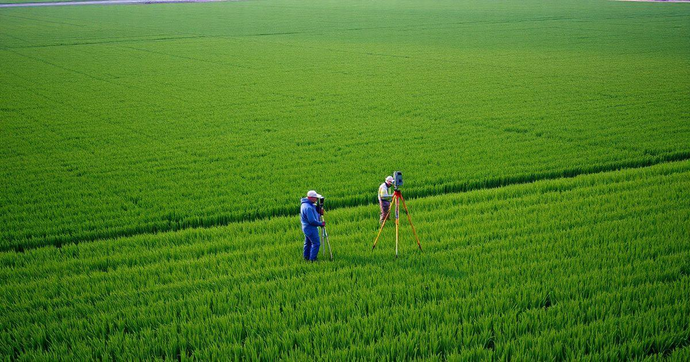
(311,243)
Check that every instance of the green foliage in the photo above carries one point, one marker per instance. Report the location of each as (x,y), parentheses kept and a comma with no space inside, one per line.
(152,157)
(135,119)
(589,267)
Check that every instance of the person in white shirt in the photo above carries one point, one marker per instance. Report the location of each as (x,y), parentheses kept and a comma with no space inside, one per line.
(385,197)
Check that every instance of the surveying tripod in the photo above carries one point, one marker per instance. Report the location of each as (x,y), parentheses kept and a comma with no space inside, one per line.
(397,198)
(324,236)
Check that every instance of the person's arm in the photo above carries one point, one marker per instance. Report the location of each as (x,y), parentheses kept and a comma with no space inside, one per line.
(313,218)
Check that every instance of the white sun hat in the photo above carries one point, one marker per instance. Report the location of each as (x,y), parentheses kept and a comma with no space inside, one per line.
(389,178)
(313,193)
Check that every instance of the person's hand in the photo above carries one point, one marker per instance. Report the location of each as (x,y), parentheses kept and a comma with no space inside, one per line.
(323,223)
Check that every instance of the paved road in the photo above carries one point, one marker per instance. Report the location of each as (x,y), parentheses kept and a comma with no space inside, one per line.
(659,1)
(105,2)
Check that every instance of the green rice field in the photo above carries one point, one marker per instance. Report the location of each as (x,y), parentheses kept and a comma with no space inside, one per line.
(152,158)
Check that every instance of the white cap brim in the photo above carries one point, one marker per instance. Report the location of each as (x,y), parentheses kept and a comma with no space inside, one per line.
(313,193)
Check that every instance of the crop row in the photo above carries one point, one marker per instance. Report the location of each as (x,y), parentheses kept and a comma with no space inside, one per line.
(590,267)
(113,128)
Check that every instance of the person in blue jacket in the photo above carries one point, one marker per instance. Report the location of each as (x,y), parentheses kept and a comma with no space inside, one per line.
(311,220)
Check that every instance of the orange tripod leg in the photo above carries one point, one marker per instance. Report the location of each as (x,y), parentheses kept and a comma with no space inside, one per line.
(383,224)
(410,220)
(397,212)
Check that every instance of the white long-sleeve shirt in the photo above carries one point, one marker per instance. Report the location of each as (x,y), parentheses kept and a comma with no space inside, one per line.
(385,192)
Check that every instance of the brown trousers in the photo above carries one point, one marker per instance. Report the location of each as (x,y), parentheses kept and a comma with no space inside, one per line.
(385,206)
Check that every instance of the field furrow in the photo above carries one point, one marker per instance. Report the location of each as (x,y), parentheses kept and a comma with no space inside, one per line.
(115,125)
(504,277)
